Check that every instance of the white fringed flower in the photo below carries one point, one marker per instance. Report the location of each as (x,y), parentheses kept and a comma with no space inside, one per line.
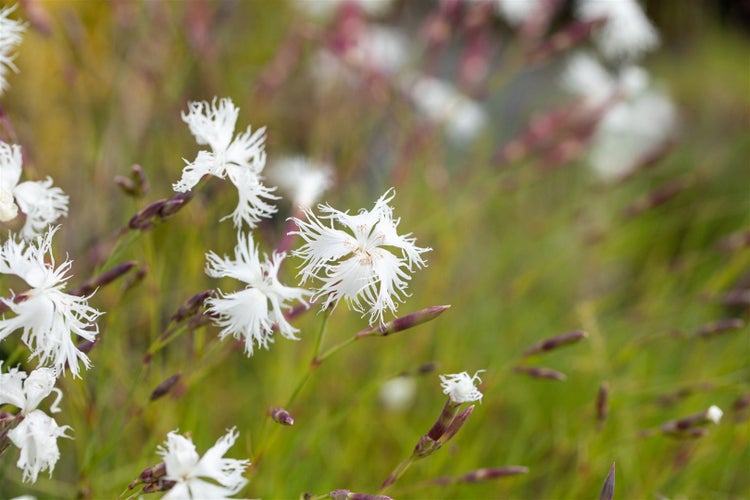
(302,179)
(251,314)
(42,203)
(36,434)
(358,265)
(241,158)
(460,387)
(10,38)
(638,120)
(627,31)
(45,313)
(190,471)
(443,105)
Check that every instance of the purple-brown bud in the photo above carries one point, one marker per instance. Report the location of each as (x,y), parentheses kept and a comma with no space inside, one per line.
(688,425)
(281,416)
(143,219)
(166,386)
(719,327)
(480,475)
(175,204)
(89,286)
(191,305)
(555,342)
(540,372)
(608,488)
(404,322)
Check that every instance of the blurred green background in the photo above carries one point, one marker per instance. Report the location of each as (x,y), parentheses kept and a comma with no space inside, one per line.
(521,252)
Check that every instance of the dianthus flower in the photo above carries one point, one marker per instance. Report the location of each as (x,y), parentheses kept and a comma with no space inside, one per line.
(45,313)
(252,313)
(460,387)
(368,265)
(186,468)
(241,158)
(10,37)
(42,203)
(36,434)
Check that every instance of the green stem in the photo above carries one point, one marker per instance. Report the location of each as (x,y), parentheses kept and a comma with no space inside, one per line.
(397,473)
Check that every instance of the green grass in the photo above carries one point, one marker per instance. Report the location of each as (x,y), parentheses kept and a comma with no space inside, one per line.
(105,90)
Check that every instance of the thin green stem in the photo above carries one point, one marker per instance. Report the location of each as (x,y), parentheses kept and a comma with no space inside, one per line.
(397,473)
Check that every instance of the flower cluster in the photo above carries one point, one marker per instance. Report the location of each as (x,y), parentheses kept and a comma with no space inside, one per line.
(356,263)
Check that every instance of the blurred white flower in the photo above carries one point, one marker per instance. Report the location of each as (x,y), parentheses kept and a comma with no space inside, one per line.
(586,77)
(397,393)
(372,49)
(190,471)
(460,387)
(324,9)
(36,434)
(241,158)
(45,313)
(10,37)
(637,120)
(380,49)
(42,203)
(251,314)
(442,104)
(517,11)
(358,265)
(302,179)
(627,31)
(714,414)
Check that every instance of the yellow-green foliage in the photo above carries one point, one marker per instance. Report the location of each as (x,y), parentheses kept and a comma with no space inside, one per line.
(520,252)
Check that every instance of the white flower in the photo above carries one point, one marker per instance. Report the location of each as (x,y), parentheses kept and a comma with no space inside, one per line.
(48,315)
(460,387)
(440,103)
(304,180)
(186,468)
(517,11)
(397,393)
(359,265)
(36,434)
(252,313)
(627,31)
(10,37)
(241,158)
(27,391)
(36,437)
(714,414)
(42,203)
(637,119)
(371,49)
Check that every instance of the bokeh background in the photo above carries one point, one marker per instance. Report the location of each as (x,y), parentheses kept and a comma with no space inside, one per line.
(523,249)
